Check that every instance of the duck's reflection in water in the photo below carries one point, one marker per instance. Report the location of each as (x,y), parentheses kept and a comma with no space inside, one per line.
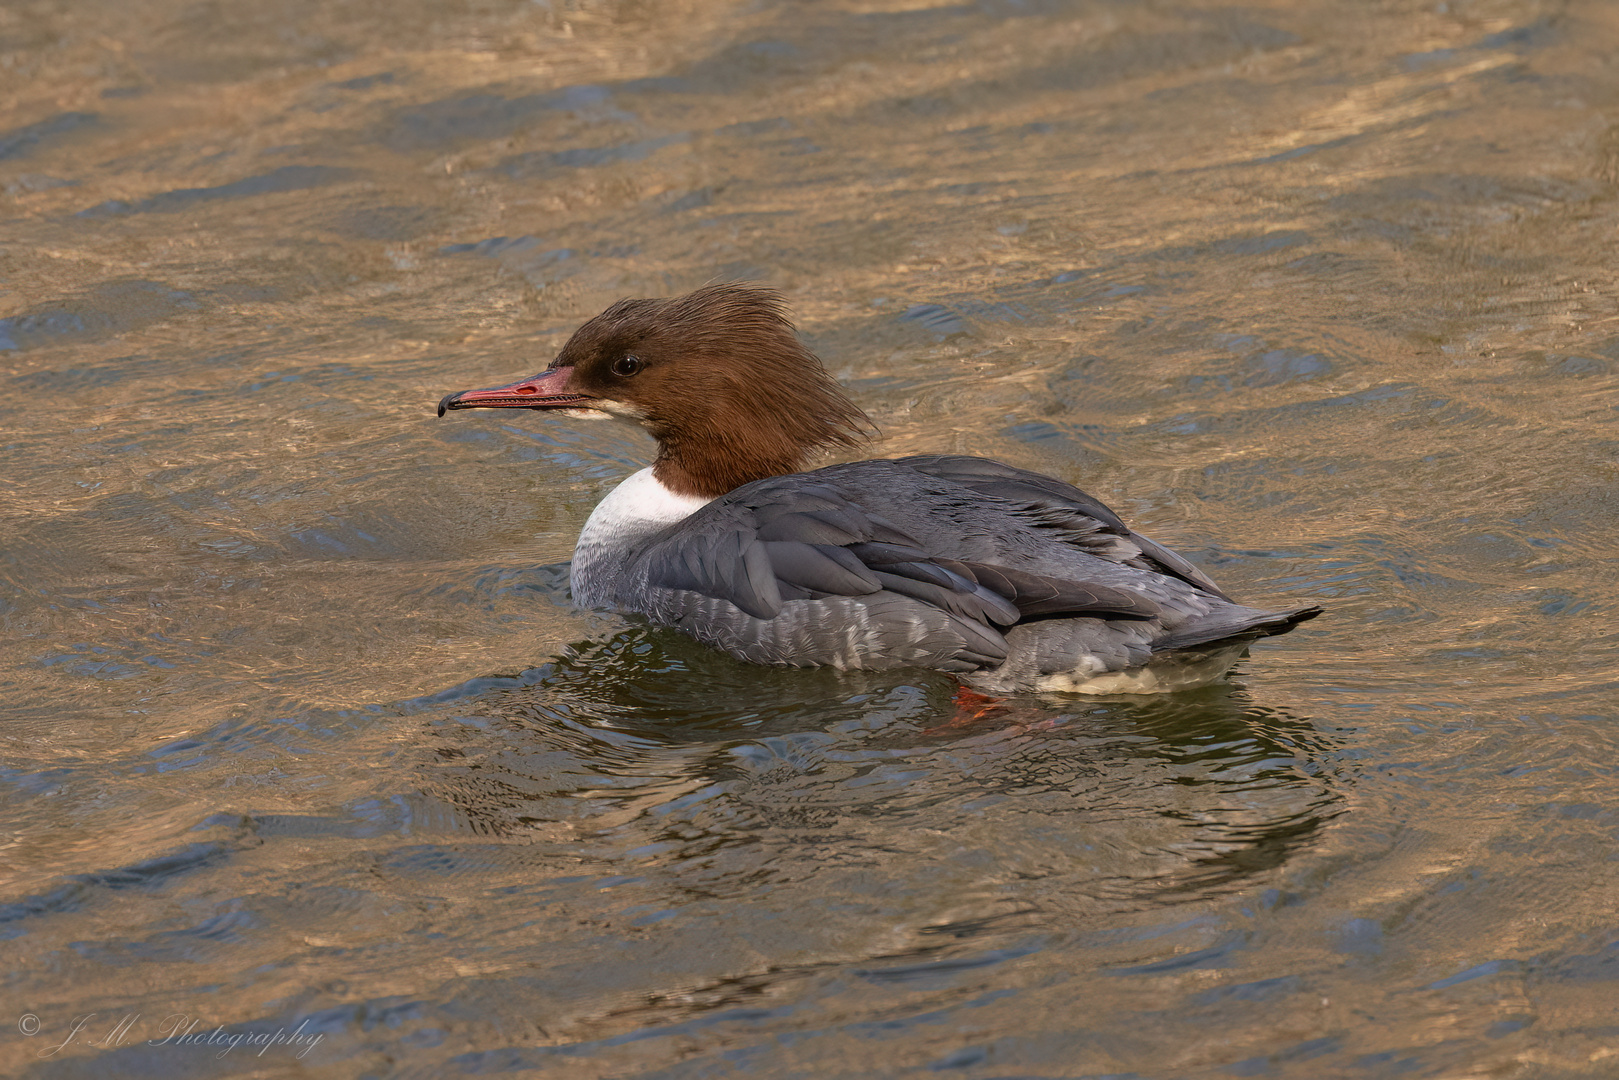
(725,778)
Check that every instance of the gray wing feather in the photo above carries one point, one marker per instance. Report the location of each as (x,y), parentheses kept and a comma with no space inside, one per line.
(731,566)
(762,597)
(1055,504)
(1036,594)
(981,606)
(814,543)
(1014,484)
(820,568)
(1176,566)
(810,543)
(814,527)
(868,594)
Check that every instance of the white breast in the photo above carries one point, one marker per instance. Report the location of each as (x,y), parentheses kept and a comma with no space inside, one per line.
(641,504)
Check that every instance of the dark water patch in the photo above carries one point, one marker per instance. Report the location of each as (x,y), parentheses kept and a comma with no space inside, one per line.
(1389,399)
(935,319)
(1000,311)
(494,246)
(749,63)
(1478,971)
(1361,937)
(1434,197)
(128,661)
(968,190)
(103,311)
(656,84)
(332,374)
(284,728)
(642,680)
(20,142)
(916,19)
(1263,990)
(522,166)
(1521,39)
(953,318)
(1261,244)
(277,181)
(824,41)
(477,688)
(366,82)
(1329,266)
(1039,300)
(1258,368)
(524,1059)
(1568,365)
(628,731)
(1305,150)
(1303,1051)
(387,222)
(749,129)
(542,265)
(942,972)
(358,532)
(1213,956)
(46,782)
(28,183)
(432,861)
(488,116)
(1430,58)
(1133,54)
(677,202)
(77,890)
(194,944)
(796,146)
(549,583)
(962,314)
(97,376)
(1043,431)
(763,56)
(230,60)
(1599,966)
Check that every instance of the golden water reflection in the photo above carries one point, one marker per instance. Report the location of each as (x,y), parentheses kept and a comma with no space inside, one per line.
(303,727)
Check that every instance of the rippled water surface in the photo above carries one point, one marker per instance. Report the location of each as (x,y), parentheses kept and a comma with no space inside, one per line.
(302,734)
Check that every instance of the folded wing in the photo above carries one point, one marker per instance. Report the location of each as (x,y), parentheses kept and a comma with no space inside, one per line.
(776,542)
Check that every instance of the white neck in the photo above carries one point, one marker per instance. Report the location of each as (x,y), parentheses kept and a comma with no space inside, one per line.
(641,504)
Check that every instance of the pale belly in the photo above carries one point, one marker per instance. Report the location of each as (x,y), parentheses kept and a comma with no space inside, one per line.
(1165,674)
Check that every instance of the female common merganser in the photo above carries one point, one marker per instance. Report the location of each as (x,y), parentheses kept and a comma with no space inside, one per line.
(1016,580)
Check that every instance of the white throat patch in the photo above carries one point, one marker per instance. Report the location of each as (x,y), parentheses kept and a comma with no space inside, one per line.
(642,500)
(639,505)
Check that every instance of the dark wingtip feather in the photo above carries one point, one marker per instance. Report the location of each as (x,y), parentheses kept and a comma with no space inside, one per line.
(1230,626)
(1289,619)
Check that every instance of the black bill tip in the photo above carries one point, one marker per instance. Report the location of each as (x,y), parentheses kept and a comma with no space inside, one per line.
(446,401)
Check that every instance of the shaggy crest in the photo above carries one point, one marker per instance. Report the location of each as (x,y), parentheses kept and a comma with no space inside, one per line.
(721,381)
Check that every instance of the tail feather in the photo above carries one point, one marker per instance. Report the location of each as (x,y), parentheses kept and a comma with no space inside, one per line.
(1234,624)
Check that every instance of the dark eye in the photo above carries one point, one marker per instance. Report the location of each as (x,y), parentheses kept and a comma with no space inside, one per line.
(625,366)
